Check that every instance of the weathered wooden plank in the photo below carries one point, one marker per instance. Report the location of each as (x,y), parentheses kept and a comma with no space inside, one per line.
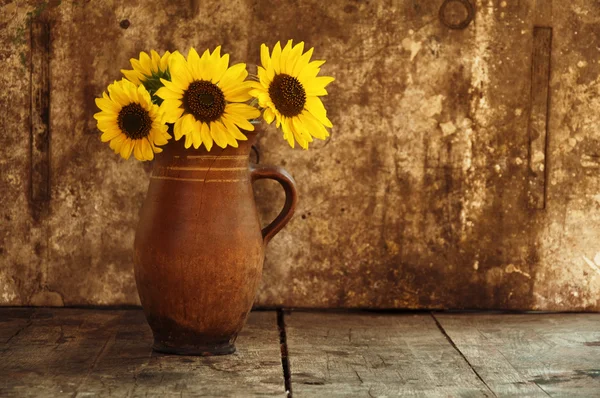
(538,116)
(12,322)
(40,111)
(108,353)
(361,354)
(531,354)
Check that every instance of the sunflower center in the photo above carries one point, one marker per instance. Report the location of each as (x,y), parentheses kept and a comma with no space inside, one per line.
(134,121)
(204,100)
(287,95)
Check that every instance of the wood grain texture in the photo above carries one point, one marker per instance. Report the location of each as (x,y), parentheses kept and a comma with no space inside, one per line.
(367,355)
(424,179)
(79,353)
(534,355)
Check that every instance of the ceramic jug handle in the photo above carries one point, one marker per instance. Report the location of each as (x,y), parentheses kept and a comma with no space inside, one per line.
(278,174)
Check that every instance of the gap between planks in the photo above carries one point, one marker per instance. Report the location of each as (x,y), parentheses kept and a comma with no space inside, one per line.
(285,362)
(449,339)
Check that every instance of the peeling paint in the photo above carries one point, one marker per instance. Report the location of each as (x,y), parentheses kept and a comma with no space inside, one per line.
(412,46)
(593,264)
(510,268)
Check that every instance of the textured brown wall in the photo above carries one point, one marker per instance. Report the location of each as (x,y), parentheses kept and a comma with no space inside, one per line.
(422,198)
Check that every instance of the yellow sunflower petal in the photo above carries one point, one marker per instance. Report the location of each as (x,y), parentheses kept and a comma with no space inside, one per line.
(126,149)
(324,81)
(132,93)
(188,141)
(313,89)
(119,96)
(294,57)
(316,86)
(302,62)
(232,129)
(176,57)
(193,60)
(144,96)
(188,124)
(244,110)
(147,149)
(316,108)
(278,117)
(140,66)
(315,128)
(239,93)
(276,57)
(310,71)
(110,134)
(270,72)
(132,75)
(103,115)
(107,105)
(157,138)
(172,86)
(171,116)
(230,139)
(164,60)
(105,124)
(216,54)
(146,62)
(117,142)
(240,121)
(300,134)
(232,77)
(177,130)
(206,138)
(137,151)
(284,57)
(265,59)
(205,66)
(155,67)
(220,65)
(167,93)
(287,133)
(263,77)
(217,132)
(265,100)
(170,105)
(180,74)
(196,134)
(268,115)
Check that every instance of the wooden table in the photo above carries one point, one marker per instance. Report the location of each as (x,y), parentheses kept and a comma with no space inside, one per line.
(84,352)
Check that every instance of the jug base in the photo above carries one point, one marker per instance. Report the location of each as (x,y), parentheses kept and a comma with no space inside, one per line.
(196,350)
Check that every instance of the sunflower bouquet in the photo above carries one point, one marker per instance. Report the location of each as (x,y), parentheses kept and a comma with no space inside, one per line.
(209,102)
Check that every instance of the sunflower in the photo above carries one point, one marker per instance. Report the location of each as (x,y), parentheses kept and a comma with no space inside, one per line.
(148,70)
(130,121)
(205,99)
(289,91)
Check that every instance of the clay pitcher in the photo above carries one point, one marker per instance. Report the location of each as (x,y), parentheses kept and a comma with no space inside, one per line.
(199,247)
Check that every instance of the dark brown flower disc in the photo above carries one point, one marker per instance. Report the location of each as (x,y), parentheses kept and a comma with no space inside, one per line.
(287,95)
(134,121)
(204,100)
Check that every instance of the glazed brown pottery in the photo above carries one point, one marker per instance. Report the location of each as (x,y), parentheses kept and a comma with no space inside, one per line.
(199,248)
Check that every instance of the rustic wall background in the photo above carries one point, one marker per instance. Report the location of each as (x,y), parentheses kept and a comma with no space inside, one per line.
(448,182)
